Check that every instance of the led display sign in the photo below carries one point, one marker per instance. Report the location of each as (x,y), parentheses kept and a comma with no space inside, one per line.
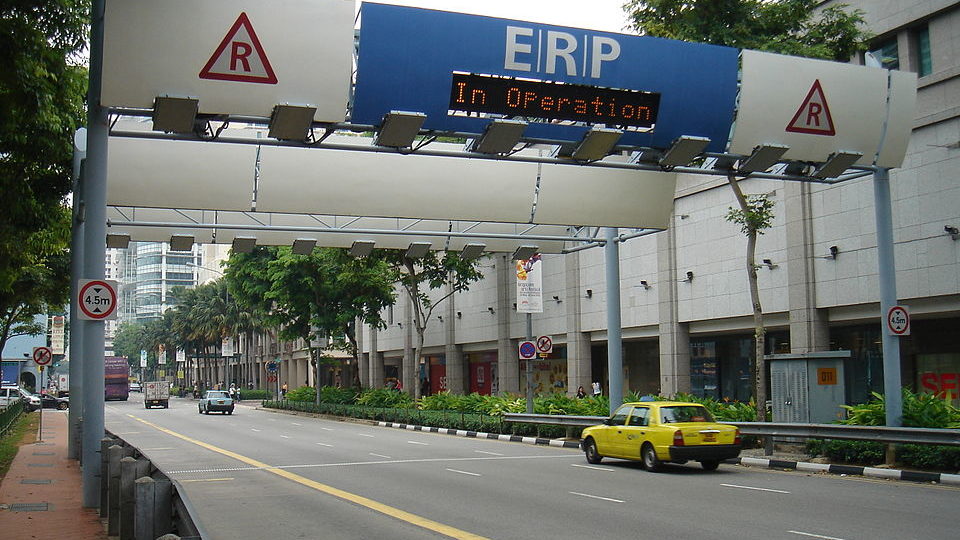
(512,97)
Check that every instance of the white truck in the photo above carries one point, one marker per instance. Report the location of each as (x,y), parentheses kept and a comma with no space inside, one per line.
(156,394)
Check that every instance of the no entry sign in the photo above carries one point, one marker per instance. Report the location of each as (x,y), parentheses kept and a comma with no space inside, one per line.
(42,355)
(97,299)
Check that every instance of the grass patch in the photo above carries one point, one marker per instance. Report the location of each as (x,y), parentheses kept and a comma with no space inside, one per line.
(23,432)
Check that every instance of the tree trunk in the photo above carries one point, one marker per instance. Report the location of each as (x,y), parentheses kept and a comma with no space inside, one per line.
(759,331)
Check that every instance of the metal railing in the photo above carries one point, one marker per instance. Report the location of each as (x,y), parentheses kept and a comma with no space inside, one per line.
(947,437)
(9,414)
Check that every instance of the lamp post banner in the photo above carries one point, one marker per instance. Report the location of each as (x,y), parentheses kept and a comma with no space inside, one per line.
(530,285)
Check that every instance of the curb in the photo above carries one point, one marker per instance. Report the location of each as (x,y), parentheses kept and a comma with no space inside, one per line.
(482,435)
(872,472)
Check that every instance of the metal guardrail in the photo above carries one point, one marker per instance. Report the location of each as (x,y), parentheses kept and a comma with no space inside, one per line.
(947,437)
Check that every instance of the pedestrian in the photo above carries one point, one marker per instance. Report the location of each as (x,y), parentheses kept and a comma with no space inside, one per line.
(581,393)
(232,391)
(596,389)
(283,390)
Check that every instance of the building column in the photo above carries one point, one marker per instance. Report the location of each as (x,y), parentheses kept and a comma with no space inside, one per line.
(376,362)
(809,330)
(579,359)
(408,367)
(363,366)
(674,335)
(508,359)
(456,383)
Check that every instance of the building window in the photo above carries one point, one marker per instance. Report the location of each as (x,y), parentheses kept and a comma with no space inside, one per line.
(924,61)
(887,53)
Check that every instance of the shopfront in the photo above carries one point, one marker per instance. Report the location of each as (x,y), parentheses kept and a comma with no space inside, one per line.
(482,370)
(722,367)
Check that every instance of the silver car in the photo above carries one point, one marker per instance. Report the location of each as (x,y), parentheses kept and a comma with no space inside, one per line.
(215,400)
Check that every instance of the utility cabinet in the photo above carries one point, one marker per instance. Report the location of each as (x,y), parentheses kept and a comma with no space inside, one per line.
(807,388)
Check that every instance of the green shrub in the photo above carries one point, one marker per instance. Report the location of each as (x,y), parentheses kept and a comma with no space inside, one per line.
(385,397)
(258,395)
(332,394)
(860,452)
(919,410)
(304,393)
(925,456)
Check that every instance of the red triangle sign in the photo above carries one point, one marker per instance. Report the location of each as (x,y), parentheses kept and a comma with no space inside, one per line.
(813,116)
(240,57)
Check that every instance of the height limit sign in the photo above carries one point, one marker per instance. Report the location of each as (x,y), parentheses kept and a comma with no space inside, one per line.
(898,321)
(97,299)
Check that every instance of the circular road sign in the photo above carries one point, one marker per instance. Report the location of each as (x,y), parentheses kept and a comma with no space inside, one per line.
(42,355)
(271,367)
(97,299)
(898,321)
(544,344)
(528,350)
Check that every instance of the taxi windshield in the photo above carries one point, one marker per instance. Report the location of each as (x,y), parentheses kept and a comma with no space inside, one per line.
(217,395)
(684,413)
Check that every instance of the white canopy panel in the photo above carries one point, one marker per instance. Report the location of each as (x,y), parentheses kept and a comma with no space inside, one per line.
(356,178)
(220,227)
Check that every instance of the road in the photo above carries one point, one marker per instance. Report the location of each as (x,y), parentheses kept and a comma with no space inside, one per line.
(261,474)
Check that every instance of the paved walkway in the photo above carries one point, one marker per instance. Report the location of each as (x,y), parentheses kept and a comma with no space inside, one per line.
(41,496)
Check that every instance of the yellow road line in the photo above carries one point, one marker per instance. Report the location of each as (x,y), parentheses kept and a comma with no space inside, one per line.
(413,519)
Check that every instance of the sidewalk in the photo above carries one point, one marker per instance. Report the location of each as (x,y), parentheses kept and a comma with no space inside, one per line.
(41,496)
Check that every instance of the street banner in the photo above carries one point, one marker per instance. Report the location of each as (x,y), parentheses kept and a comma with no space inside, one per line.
(529,285)
(226,347)
(162,354)
(181,356)
(143,358)
(57,335)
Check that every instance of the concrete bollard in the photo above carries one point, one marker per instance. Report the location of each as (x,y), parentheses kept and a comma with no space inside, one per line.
(144,490)
(130,470)
(115,454)
(162,518)
(105,444)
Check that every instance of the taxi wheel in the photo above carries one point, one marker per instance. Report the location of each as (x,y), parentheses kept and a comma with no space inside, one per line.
(62,406)
(710,464)
(229,412)
(650,460)
(590,449)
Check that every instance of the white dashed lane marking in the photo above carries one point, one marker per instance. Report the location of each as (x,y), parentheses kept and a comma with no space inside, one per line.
(591,467)
(596,497)
(755,488)
(464,472)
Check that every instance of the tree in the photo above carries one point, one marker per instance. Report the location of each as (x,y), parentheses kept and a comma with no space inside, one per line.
(315,297)
(42,281)
(42,91)
(435,270)
(793,27)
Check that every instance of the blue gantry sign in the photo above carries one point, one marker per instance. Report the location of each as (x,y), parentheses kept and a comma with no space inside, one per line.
(462,69)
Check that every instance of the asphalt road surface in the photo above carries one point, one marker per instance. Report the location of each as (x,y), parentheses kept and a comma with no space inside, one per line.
(259,474)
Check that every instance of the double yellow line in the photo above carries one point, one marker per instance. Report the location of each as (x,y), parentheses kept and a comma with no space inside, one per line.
(413,519)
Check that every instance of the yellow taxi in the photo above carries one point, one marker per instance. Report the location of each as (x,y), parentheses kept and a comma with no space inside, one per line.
(656,432)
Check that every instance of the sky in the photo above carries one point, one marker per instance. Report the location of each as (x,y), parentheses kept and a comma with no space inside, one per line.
(606,15)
